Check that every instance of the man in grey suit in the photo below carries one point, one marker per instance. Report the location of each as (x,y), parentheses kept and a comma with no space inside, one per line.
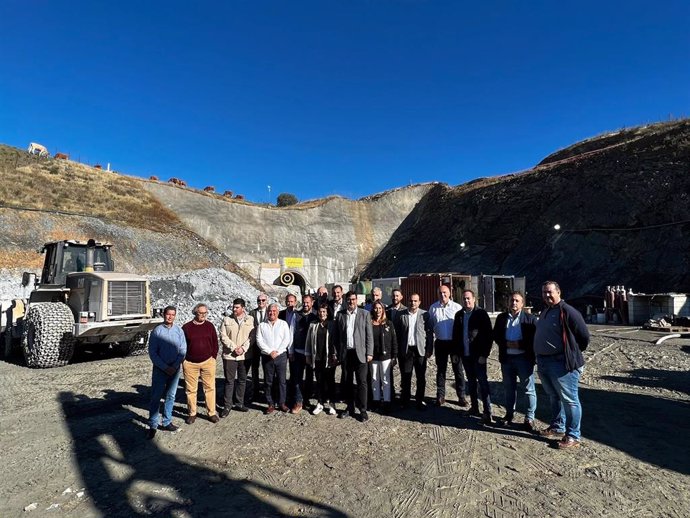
(415,345)
(355,349)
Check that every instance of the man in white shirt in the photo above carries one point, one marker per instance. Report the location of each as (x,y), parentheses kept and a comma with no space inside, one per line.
(273,338)
(441,319)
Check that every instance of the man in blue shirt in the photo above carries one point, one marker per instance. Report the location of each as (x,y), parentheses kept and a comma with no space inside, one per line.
(167,349)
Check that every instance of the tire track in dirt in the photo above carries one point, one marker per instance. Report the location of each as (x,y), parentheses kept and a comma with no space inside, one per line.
(449,477)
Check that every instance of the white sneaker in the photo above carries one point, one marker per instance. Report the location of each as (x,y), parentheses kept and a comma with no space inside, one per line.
(317,409)
(331,410)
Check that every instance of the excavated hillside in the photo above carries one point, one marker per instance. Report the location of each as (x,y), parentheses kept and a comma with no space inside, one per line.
(621,200)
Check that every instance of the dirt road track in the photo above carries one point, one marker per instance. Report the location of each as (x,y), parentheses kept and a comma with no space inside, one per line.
(81,428)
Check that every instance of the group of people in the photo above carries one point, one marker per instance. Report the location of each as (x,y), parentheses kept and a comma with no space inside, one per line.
(366,343)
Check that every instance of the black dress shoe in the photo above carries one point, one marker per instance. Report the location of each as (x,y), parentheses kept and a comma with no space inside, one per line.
(240,409)
(363,416)
(345,415)
(190,419)
(225,412)
(421,406)
(170,428)
(150,433)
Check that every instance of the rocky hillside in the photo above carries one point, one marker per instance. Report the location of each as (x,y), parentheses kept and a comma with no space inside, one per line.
(621,200)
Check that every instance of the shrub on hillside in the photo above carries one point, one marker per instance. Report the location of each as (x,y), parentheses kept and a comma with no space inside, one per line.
(286,199)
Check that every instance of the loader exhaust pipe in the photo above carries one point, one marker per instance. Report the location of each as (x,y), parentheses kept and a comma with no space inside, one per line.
(90,254)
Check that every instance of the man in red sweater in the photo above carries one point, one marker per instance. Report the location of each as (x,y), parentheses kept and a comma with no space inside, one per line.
(202,350)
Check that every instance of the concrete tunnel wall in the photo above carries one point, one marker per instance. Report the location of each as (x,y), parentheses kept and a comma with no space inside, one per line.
(335,238)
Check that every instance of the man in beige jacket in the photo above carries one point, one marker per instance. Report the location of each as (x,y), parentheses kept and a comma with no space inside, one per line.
(236,333)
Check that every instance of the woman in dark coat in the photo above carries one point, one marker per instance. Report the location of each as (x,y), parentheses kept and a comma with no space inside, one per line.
(385,355)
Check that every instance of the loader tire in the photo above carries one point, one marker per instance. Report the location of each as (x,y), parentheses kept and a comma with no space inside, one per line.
(134,347)
(48,339)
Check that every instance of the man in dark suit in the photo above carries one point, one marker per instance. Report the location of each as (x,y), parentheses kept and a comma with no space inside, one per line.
(298,358)
(415,345)
(396,307)
(355,349)
(253,355)
(336,304)
(514,334)
(293,319)
(472,341)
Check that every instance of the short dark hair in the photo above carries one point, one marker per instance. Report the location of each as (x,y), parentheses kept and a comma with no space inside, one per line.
(552,282)
(349,294)
(337,286)
(396,289)
(241,302)
(169,308)
(471,291)
(308,296)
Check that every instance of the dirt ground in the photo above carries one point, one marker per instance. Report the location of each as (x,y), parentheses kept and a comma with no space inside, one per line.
(73,444)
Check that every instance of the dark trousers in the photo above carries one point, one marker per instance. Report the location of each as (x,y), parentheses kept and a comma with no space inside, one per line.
(412,361)
(232,369)
(354,369)
(443,349)
(476,373)
(325,382)
(297,365)
(252,363)
(275,370)
(308,390)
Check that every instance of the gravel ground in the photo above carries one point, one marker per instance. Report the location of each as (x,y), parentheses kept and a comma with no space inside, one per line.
(73,445)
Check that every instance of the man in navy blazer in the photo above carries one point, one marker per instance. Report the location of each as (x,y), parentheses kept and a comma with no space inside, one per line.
(514,334)
(355,348)
(415,345)
(472,341)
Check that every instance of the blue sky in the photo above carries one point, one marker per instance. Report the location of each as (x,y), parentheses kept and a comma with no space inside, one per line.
(334,97)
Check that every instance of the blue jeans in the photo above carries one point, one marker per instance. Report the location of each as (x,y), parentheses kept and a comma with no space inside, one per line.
(519,366)
(476,374)
(162,386)
(561,386)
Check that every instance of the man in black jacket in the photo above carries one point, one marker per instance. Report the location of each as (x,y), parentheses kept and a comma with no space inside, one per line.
(514,335)
(472,341)
(561,337)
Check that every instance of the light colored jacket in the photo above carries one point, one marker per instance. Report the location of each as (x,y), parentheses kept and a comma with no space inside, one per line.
(312,336)
(234,335)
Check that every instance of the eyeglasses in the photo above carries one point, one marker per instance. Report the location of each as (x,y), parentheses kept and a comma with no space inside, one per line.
(261,300)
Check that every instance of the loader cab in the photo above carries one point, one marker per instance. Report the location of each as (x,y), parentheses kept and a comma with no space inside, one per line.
(63,257)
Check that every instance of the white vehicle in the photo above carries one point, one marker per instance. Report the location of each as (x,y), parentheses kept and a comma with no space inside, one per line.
(38,149)
(78,300)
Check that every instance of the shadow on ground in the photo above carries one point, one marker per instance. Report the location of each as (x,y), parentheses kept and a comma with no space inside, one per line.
(126,475)
(650,428)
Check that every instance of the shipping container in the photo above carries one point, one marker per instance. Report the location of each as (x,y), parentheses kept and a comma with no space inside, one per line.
(493,293)
(642,307)
(387,286)
(427,285)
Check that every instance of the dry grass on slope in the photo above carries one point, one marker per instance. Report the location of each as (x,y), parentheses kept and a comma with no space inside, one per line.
(59,185)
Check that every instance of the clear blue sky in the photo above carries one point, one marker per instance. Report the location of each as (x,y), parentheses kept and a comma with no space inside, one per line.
(334,97)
